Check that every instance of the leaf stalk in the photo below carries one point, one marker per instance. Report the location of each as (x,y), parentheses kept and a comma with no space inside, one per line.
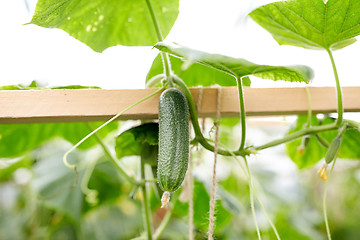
(338,90)
(242,113)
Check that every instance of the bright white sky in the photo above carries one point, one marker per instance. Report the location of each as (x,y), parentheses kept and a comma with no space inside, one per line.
(29,52)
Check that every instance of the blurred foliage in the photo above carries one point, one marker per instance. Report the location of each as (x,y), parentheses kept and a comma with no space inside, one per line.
(42,199)
(50,204)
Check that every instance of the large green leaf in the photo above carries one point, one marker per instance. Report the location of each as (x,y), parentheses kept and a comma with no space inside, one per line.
(311,24)
(34,85)
(17,139)
(194,75)
(112,222)
(238,67)
(57,186)
(223,212)
(132,141)
(313,152)
(8,167)
(106,180)
(104,23)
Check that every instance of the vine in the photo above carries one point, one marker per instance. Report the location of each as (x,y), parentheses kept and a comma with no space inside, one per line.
(240,69)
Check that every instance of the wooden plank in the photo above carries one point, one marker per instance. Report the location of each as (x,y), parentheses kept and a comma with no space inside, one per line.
(70,105)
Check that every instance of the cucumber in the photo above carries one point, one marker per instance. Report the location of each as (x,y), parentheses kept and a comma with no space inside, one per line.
(173,141)
(333,150)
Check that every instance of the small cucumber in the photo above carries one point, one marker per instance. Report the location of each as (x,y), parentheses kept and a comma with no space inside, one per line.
(173,141)
(333,150)
(335,145)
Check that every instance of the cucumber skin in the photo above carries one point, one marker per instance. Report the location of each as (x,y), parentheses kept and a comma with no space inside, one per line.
(173,139)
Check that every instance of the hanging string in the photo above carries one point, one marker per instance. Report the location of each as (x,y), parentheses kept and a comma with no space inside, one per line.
(213,186)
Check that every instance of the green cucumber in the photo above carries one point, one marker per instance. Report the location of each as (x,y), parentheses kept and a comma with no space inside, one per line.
(335,145)
(173,141)
(333,150)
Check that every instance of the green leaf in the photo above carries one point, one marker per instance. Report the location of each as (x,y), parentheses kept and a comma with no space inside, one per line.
(17,139)
(106,180)
(201,209)
(311,24)
(104,23)
(120,221)
(56,185)
(76,87)
(238,67)
(34,85)
(138,140)
(8,167)
(194,75)
(313,152)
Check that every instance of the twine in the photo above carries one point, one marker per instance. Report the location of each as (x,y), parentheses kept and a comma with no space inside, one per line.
(213,186)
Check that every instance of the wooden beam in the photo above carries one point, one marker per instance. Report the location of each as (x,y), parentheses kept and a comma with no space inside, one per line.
(70,105)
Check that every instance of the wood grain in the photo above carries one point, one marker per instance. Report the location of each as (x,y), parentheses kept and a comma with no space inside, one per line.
(71,105)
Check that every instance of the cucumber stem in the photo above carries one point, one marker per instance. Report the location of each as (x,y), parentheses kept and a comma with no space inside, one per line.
(165,199)
(242,113)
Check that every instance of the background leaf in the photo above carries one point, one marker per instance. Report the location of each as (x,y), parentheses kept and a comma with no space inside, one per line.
(313,152)
(106,180)
(201,208)
(311,23)
(194,75)
(56,185)
(112,222)
(8,167)
(132,141)
(104,23)
(17,139)
(237,66)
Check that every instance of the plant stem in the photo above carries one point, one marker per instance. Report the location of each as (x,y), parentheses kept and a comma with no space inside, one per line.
(338,91)
(163,224)
(252,199)
(146,202)
(309,107)
(242,113)
(324,202)
(155,21)
(323,142)
(194,120)
(161,228)
(244,152)
(352,123)
(118,164)
(164,56)
(252,189)
(295,135)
